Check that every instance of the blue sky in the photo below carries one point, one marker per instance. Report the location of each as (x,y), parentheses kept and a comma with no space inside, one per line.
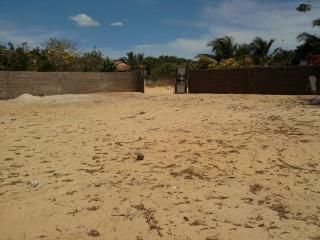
(155,27)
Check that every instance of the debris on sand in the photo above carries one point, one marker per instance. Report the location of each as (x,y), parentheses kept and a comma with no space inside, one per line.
(255,188)
(148,214)
(34,184)
(94,233)
(140,156)
(190,173)
(280,209)
(314,101)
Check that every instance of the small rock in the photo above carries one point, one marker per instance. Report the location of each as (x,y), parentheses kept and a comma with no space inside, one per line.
(140,156)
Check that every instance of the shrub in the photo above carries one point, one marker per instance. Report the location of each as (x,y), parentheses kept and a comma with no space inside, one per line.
(225,63)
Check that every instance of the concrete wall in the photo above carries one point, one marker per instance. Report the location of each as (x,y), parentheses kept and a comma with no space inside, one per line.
(268,80)
(13,84)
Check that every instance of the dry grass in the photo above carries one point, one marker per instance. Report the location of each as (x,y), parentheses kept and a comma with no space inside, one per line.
(148,214)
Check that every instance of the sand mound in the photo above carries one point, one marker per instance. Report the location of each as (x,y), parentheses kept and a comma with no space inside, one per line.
(56,99)
(28,97)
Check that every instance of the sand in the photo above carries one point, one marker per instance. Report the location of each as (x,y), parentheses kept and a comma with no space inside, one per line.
(215,167)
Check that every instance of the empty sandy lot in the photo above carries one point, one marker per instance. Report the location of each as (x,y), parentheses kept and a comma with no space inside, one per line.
(216,167)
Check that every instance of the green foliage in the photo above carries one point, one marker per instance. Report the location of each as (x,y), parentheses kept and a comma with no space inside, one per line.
(21,58)
(108,66)
(261,50)
(163,67)
(304,7)
(282,58)
(61,54)
(92,61)
(316,22)
(227,53)
(164,70)
(243,54)
(206,61)
(133,60)
(223,48)
(226,63)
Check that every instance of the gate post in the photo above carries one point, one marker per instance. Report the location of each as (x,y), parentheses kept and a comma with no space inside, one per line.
(181,84)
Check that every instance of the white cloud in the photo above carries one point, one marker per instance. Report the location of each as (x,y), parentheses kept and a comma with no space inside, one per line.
(117,24)
(242,19)
(246,19)
(83,20)
(179,47)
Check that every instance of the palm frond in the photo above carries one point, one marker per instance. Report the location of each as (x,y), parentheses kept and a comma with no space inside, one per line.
(316,23)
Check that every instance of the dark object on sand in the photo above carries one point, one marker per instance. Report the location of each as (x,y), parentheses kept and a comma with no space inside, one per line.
(314,101)
(94,233)
(140,156)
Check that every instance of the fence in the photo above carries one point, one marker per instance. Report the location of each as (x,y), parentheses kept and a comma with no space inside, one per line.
(13,84)
(268,80)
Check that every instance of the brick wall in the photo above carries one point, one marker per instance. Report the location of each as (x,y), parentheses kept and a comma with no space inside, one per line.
(268,80)
(13,84)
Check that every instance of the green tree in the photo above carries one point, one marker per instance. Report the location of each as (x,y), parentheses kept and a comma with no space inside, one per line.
(14,58)
(206,61)
(310,43)
(223,48)
(108,66)
(92,61)
(134,60)
(283,57)
(61,53)
(243,54)
(261,50)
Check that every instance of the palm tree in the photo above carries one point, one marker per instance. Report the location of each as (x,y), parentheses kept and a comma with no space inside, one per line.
(134,60)
(223,48)
(243,54)
(311,43)
(316,22)
(261,50)
(282,57)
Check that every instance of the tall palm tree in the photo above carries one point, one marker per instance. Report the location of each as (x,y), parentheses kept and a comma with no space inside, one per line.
(223,48)
(261,50)
(311,43)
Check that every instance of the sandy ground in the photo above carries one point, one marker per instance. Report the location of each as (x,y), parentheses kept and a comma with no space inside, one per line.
(216,167)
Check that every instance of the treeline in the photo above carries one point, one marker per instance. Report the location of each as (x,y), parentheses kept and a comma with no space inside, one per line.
(61,55)
(58,55)
(225,52)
